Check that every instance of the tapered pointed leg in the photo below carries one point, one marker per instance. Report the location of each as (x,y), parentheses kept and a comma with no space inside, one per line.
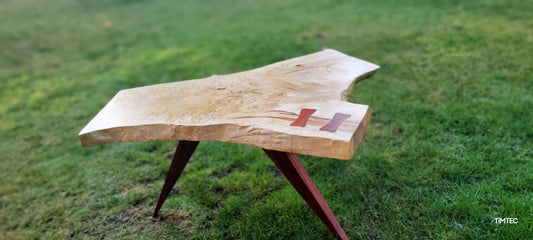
(181,158)
(290,166)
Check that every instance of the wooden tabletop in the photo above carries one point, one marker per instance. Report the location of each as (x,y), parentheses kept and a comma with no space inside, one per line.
(298,105)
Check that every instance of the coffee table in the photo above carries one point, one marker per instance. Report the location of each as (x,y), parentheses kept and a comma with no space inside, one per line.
(293,106)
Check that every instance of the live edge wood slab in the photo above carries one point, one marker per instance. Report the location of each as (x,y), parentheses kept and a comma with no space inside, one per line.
(294,106)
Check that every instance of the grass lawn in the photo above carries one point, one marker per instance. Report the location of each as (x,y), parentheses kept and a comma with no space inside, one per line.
(449,147)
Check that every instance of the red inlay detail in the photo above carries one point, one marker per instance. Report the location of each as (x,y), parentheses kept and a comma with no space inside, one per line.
(335,122)
(305,113)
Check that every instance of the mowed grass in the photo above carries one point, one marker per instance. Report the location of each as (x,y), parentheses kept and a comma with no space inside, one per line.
(449,147)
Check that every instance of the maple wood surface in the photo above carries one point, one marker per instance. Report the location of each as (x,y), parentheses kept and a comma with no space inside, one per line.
(297,105)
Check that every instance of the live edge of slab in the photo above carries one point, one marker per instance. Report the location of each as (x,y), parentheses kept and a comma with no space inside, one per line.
(298,105)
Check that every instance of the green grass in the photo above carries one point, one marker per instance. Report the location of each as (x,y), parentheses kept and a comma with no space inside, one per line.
(449,147)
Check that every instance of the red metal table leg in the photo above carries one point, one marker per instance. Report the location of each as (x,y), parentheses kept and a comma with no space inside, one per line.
(290,166)
(181,158)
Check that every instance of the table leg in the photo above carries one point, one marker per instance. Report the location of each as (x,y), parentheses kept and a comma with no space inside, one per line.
(181,158)
(290,166)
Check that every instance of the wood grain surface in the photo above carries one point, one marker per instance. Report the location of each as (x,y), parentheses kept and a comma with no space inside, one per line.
(297,105)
